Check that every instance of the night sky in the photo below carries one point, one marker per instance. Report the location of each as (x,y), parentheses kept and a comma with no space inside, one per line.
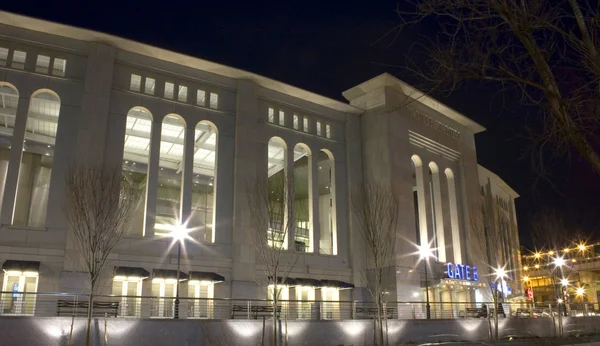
(329,47)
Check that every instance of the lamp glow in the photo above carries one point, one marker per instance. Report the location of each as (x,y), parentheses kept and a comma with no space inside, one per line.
(580,291)
(500,273)
(525,278)
(558,261)
(564,282)
(581,247)
(559,300)
(537,255)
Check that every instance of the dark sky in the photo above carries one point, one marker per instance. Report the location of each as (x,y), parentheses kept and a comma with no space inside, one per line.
(327,47)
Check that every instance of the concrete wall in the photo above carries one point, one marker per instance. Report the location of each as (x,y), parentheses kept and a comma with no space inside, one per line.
(27,331)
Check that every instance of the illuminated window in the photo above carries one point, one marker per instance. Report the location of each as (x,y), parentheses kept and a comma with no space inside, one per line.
(3,56)
(59,67)
(327,130)
(19,283)
(271,115)
(305,296)
(214,101)
(129,288)
(42,64)
(169,90)
(305,124)
(149,86)
(182,95)
(10,100)
(277,203)
(319,128)
(296,122)
(169,175)
(202,306)
(281,118)
(18,60)
(163,293)
(135,82)
(326,200)
(303,231)
(202,217)
(136,155)
(201,98)
(37,161)
(331,305)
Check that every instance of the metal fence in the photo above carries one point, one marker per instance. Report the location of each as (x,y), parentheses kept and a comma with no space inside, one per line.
(67,304)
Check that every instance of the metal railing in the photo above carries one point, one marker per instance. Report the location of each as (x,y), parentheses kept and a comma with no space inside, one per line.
(113,306)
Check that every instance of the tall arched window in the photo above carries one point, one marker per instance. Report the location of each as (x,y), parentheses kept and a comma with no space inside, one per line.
(172,143)
(37,160)
(437,212)
(452,198)
(204,182)
(419,201)
(9,101)
(327,224)
(302,195)
(278,196)
(136,156)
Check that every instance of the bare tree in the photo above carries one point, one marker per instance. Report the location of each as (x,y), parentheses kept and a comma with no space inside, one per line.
(99,206)
(547,51)
(376,207)
(271,203)
(484,221)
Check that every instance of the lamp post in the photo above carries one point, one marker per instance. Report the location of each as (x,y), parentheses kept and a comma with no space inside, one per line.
(424,253)
(559,262)
(178,234)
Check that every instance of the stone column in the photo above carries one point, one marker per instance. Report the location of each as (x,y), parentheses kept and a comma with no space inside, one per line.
(290,218)
(16,152)
(187,176)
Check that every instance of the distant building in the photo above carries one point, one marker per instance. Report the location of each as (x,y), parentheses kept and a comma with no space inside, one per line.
(190,134)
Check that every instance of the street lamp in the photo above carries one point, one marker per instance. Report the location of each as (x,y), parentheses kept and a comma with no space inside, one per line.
(580,291)
(500,274)
(424,253)
(178,233)
(558,261)
(564,282)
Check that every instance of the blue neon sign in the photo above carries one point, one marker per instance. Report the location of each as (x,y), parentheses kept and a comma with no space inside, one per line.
(462,272)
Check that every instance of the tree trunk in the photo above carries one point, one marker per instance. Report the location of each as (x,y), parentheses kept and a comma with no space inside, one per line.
(496,311)
(88,328)
(275,294)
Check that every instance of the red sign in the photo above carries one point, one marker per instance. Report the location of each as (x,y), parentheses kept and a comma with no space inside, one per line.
(529,293)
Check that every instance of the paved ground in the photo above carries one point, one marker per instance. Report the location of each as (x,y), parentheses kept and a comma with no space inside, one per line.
(581,341)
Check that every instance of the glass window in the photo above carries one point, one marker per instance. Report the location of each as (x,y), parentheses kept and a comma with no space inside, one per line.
(163,297)
(202,306)
(3,56)
(281,118)
(37,161)
(303,230)
(305,297)
(296,122)
(42,64)
(305,124)
(277,234)
(136,155)
(331,305)
(169,90)
(319,128)
(328,242)
(203,191)
(149,86)
(135,83)
(18,302)
(59,67)
(18,60)
(271,115)
(9,100)
(327,130)
(128,288)
(169,174)
(214,100)
(182,95)
(201,98)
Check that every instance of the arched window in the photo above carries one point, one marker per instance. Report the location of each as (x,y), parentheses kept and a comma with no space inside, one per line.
(9,101)
(204,186)
(278,196)
(172,143)
(327,224)
(437,214)
(452,199)
(37,160)
(136,156)
(302,195)
(419,201)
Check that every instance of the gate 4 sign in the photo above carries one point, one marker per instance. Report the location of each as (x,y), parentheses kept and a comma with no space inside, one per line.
(462,272)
